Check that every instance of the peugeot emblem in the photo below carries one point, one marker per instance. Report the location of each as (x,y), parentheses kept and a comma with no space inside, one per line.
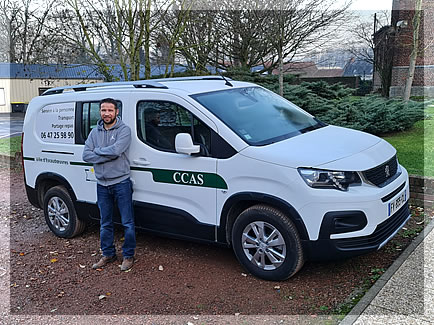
(387,170)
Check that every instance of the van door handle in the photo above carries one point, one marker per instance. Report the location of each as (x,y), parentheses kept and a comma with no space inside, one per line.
(141,162)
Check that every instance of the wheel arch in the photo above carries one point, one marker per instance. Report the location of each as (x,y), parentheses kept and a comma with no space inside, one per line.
(48,180)
(237,203)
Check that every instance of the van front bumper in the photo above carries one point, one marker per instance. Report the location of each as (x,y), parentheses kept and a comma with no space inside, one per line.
(330,249)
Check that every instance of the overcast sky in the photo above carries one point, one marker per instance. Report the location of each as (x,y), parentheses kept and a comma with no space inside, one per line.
(371,4)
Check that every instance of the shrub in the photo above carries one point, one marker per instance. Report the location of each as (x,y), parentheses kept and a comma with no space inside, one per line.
(365,87)
(334,104)
(325,90)
(373,114)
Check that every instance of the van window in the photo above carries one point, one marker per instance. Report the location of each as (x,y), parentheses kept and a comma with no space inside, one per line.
(158,123)
(90,116)
(42,90)
(256,115)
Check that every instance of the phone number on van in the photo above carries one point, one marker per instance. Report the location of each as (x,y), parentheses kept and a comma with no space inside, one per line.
(57,135)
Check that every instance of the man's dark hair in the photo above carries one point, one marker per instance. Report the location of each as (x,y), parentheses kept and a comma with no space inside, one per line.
(108,100)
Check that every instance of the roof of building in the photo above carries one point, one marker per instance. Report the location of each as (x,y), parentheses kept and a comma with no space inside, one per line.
(299,68)
(70,71)
(328,73)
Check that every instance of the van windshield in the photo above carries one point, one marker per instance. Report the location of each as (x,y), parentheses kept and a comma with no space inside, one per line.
(257,115)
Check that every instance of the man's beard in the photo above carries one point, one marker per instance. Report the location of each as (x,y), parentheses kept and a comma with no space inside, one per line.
(111,121)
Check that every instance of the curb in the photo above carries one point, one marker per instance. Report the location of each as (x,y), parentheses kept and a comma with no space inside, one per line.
(358,309)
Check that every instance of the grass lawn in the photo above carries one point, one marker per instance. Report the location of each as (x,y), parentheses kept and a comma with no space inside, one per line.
(416,146)
(9,146)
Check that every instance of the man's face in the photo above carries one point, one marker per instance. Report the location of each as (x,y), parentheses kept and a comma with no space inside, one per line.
(108,113)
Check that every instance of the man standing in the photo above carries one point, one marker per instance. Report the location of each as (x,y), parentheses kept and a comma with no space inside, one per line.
(106,147)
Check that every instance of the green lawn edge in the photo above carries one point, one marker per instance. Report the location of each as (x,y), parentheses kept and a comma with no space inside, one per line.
(415,147)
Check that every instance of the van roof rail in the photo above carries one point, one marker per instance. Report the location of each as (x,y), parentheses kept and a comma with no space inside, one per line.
(84,87)
(152,83)
(209,77)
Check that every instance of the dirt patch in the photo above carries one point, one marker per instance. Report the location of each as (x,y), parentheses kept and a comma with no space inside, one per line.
(49,275)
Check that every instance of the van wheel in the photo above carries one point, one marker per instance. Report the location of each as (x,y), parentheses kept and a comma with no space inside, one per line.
(267,243)
(60,213)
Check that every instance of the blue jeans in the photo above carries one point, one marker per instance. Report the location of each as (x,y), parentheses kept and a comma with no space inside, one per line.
(121,193)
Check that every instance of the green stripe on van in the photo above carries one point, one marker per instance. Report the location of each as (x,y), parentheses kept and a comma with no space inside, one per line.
(79,163)
(182,177)
(169,176)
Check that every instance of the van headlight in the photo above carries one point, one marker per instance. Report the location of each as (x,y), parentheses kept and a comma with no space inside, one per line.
(318,178)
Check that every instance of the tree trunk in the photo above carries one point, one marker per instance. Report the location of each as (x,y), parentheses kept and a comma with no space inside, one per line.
(147,43)
(280,50)
(415,50)
(280,74)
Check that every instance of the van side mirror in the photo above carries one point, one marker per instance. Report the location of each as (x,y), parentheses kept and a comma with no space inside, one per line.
(184,144)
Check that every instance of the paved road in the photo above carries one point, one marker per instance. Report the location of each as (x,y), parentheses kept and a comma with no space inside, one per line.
(11,125)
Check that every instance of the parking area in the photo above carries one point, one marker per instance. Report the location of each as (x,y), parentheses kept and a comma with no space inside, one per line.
(50,275)
(11,125)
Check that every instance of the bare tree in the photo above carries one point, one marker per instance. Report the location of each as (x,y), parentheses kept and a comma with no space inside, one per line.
(117,31)
(415,49)
(295,27)
(244,43)
(174,25)
(4,31)
(226,37)
(199,42)
(25,21)
(361,44)
(384,48)
(372,42)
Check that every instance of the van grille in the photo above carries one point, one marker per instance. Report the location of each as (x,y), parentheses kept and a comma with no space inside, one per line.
(382,174)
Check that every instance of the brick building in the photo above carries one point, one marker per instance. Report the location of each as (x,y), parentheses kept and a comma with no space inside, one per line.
(402,22)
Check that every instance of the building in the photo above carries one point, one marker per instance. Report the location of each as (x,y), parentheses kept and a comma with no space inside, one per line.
(300,69)
(19,83)
(402,22)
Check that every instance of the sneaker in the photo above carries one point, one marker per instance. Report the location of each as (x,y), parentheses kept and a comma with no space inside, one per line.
(127,263)
(104,261)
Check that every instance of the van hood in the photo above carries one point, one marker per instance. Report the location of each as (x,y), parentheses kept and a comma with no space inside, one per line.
(330,147)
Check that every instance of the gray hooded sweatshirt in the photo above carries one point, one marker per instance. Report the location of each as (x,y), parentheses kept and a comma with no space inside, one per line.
(107,150)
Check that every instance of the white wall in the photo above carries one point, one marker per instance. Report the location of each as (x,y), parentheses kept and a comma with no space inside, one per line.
(23,90)
(5,102)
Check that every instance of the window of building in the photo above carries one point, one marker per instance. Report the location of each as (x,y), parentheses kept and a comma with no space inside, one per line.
(2,97)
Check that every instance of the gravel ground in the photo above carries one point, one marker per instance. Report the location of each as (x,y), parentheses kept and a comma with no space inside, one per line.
(49,279)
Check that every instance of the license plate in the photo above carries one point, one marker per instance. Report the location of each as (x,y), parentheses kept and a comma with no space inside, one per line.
(398,202)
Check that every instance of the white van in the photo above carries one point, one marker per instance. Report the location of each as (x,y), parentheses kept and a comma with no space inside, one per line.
(225,162)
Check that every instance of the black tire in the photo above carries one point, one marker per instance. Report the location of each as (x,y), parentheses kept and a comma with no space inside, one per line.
(276,257)
(60,214)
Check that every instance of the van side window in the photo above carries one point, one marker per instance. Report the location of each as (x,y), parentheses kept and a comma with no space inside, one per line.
(158,123)
(90,116)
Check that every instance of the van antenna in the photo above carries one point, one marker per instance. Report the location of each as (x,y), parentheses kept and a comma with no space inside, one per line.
(227,82)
